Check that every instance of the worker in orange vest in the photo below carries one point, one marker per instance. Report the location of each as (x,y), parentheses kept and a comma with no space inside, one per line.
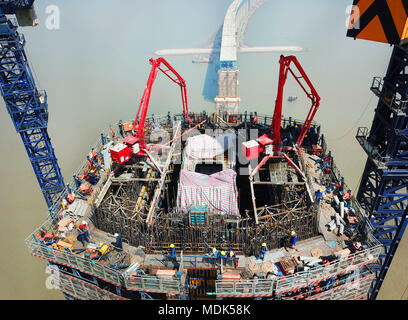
(83,234)
(45,237)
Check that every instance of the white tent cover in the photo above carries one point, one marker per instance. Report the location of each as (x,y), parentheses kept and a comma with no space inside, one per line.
(204,146)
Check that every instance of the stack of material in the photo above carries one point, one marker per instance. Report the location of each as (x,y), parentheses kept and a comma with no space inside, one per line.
(153,270)
(61,245)
(343,253)
(65,225)
(351,219)
(165,274)
(264,268)
(254,267)
(288,265)
(226,276)
(76,210)
(85,188)
(217,191)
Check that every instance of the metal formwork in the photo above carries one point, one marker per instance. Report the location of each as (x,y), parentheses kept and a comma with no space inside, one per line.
(383,191)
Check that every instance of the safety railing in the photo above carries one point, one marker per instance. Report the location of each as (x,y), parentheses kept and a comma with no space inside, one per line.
(149,283)
(315,275)
(394,101)
(372,151)
(65,258)
(244,288)
(83,290)
(349,290)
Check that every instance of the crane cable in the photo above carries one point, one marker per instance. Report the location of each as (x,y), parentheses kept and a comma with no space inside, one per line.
(359,118)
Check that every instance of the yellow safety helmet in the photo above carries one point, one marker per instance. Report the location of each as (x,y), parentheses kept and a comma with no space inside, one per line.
(231,253)
(293,233)
(214,250)
(264,244)
(320,190)
(223,253)
(100,244)
(172,246)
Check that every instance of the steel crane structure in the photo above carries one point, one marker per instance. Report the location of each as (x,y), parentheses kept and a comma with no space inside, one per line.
(136,144)
(25,103)
(144,103)
(285,63)
(383,191)
(278,151)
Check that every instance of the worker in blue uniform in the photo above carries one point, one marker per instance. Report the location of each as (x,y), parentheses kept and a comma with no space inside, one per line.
(118,242)
(232,256)
(293,240)
(214,253)
(83,234)
(319,195)
(264,249)
(173,255)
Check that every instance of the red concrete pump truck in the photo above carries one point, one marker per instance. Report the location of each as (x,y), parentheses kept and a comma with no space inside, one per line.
(135,143)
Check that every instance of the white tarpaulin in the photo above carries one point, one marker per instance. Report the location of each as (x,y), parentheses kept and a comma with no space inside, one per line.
(217,191)
(205,147)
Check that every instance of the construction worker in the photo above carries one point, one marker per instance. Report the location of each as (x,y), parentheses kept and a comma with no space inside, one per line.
(293,239)
(319,195)
(45,237)
(83,234)
(103,250)
(172,251)
(173,255)
(214,253)
(232,256)
(86,228)
(264,249)
(92,177)
(118,242)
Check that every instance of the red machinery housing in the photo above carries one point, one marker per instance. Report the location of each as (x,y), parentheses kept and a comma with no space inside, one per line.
(136,144)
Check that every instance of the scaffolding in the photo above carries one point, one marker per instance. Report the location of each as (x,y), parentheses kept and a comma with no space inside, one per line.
(121,204)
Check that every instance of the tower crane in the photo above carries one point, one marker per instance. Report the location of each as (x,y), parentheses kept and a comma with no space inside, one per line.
(25,103)
(383,190)
(136,144)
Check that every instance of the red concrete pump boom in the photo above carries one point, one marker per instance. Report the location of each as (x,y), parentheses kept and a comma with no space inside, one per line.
(312,95)
(144,103)
(132,145)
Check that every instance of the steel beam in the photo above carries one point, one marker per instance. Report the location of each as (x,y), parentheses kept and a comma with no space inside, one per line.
(383,191)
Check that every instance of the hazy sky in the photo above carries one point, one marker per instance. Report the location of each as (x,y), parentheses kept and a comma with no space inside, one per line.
(95,68)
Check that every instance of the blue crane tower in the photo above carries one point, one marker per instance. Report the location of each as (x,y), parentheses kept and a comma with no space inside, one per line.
(26,104)
(383,191)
